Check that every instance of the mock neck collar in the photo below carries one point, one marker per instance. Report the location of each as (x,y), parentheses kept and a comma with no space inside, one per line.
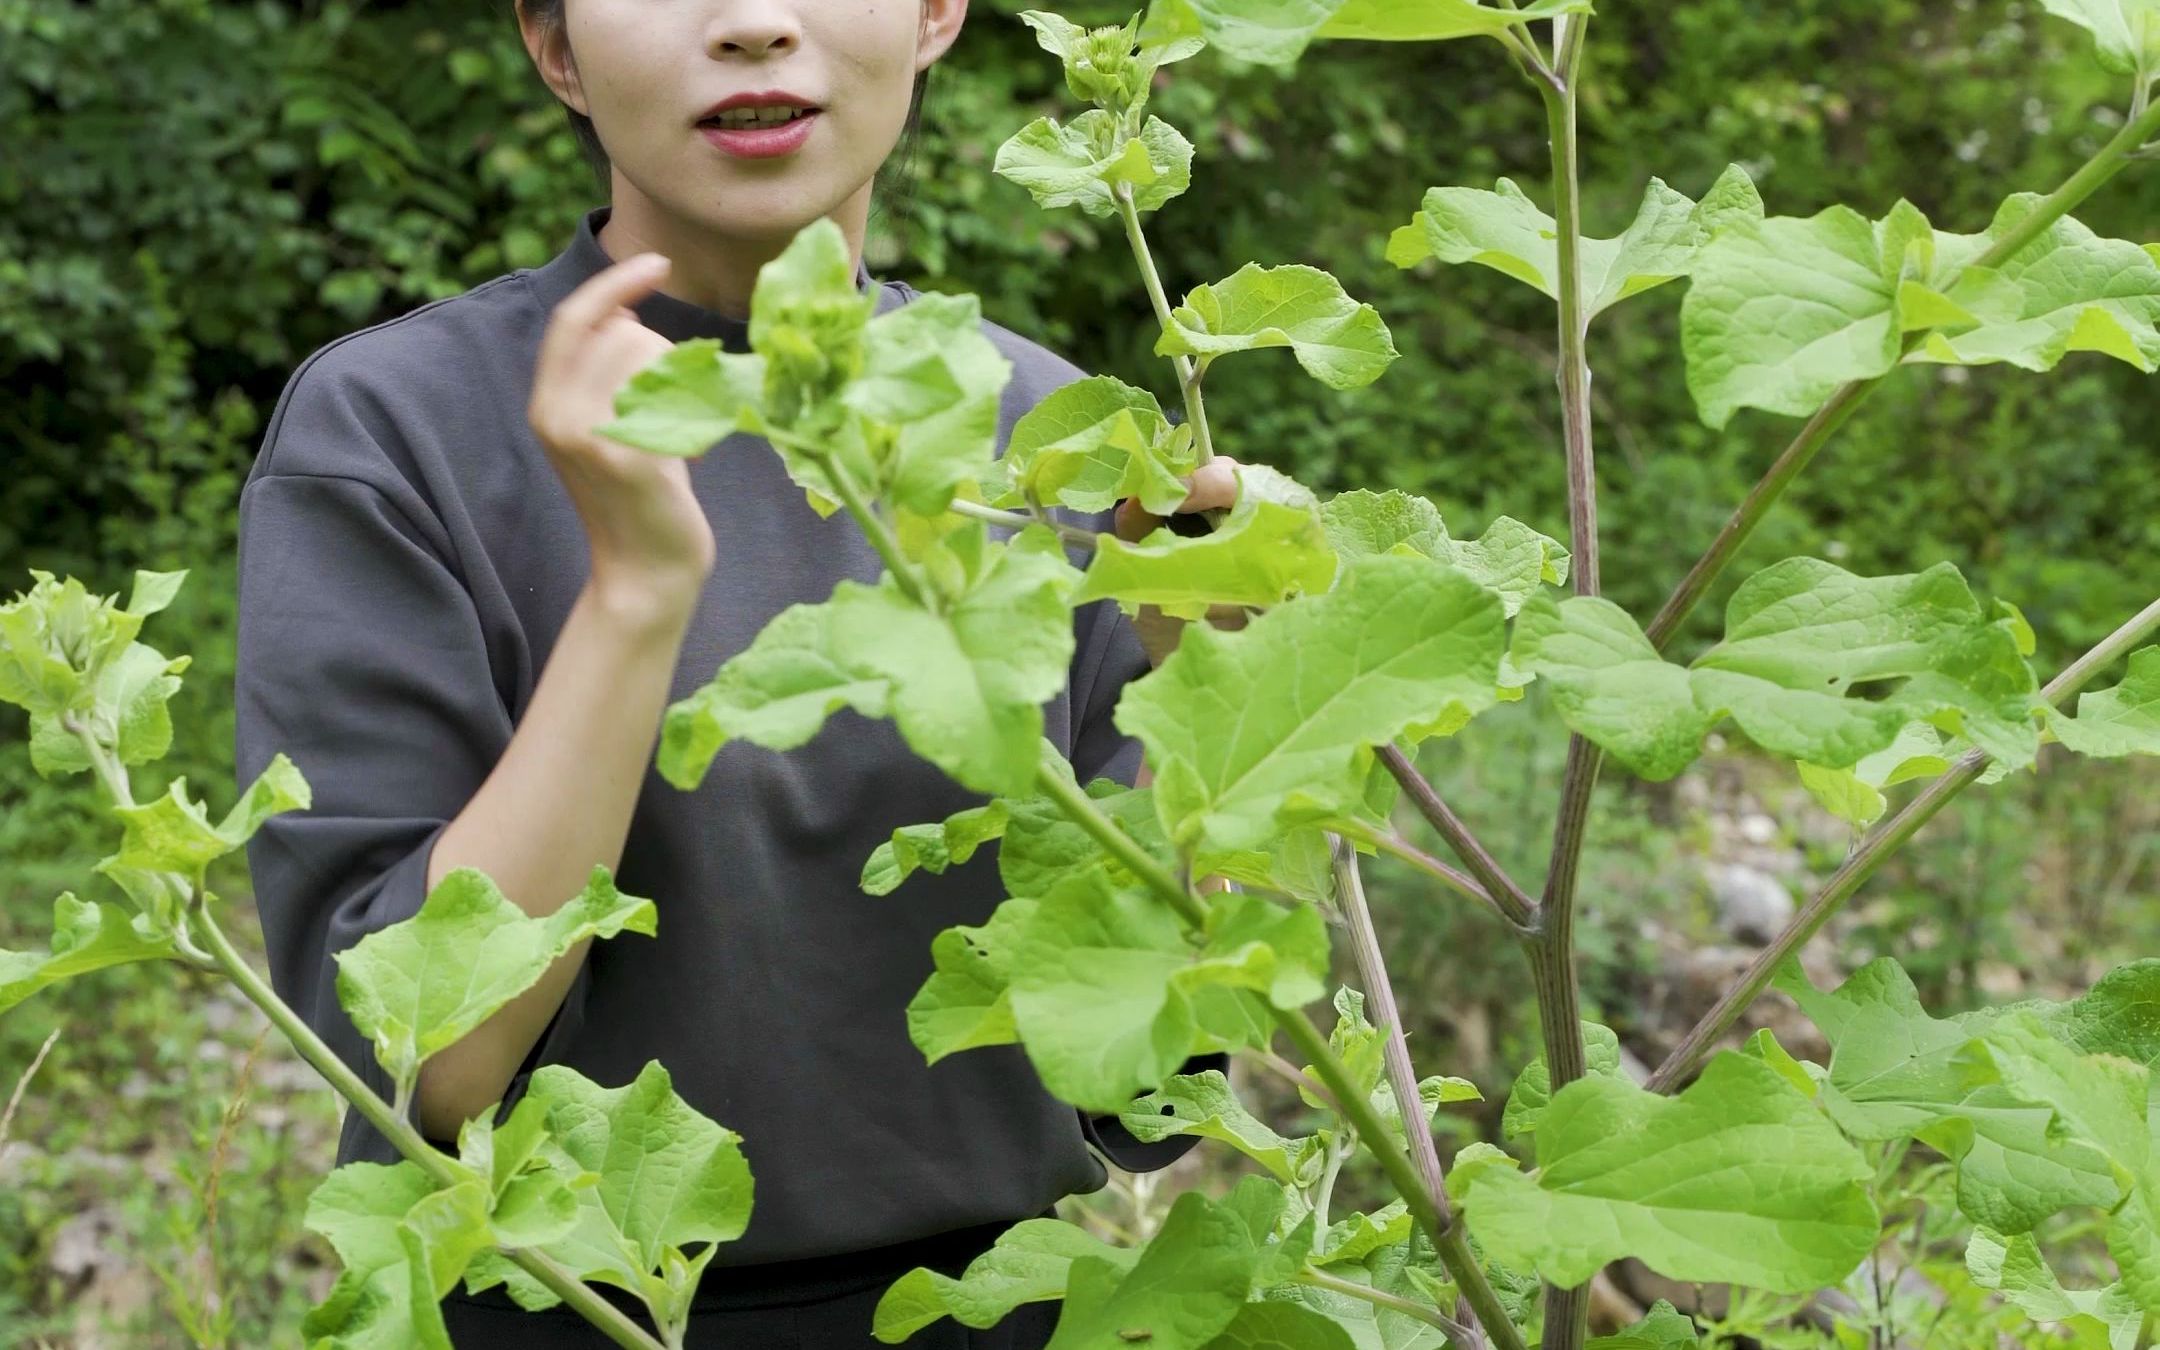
(675,320)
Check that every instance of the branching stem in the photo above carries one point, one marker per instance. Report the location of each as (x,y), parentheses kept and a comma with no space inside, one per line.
(1019,520)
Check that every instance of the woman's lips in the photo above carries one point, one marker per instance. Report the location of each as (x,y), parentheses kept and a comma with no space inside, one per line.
(761,142)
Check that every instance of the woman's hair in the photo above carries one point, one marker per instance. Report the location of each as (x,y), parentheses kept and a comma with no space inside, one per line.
(896,168)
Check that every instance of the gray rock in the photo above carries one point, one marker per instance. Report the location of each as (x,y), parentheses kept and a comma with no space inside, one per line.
(1752,905)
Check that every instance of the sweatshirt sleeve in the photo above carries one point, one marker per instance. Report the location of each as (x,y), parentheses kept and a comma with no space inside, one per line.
(361,656)
(1100,750)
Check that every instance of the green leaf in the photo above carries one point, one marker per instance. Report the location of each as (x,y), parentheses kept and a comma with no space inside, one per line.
(402,1242)
(1898,1072)
(1737,1179)
(1532,1092)
(1043,845)
(1801,633)
(2014,1267)
(965,686)
(688,399)
(1080,162)
(1357,1236)
(87,936)
(425,982)
(1276,1325)
(1269,547)
(1272,725)
(2067,291)
(1357,1043)
(1510,557)
(1609,684)
(1111,998)
(2112,723)
(127,711)
(1203,1104)
(1092,442)
(668,1177)
(173,833)
(1186,1287)
(966,1001)
(1855,794)
(1664,1328)
(2127,32)
(1782,311)
(931,372)
(932,848)
(1504,230)
(1275,32)
(1798,636)
(1340,342)
(1029,1263)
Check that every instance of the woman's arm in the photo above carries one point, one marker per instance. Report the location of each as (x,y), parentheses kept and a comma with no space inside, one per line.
(558,801)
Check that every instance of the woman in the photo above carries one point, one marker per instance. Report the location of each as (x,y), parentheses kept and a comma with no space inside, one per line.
(462,614)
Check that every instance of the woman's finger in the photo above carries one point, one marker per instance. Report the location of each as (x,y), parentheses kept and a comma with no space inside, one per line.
(624,284)
(1213,484)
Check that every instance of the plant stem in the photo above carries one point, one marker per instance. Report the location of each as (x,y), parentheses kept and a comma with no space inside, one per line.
(1456,1332)
(1187,372)
(1514,903)
(1081,809)
(2096,171)
(1552,950)
(1019,520)
(443,1170)
(1879,844)
(1385,1013)
(1439,1225)
(878,532)
(1388,841)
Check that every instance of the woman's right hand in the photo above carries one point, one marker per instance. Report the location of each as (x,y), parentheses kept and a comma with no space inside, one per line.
(649,536)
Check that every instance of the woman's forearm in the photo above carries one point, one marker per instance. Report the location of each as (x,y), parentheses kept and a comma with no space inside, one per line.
(557,802)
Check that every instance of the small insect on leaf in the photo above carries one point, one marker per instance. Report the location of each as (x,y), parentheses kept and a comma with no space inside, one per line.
(1135,1334)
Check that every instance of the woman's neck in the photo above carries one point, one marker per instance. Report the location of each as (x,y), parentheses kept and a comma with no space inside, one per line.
(713,270)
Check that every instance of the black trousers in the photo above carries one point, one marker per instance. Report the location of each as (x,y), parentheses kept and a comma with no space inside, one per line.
(816,1303)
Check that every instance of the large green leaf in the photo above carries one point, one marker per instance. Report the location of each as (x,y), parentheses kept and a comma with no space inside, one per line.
(425,982)
(668,1177)
(1276,32)
(1187,1286)
(1094,441)
(87,935)
(966,1001)
(1504,230)
(1253,730)
(2014,1267)
(2067,291)
(1269,547)
(965,685)
(1029,1263)
(1799,636)
(402,1242)
(1203,1104)
(688,399)
(1340,342)
(1079,163)
(1898,1072)
(127,710)
(930,371)
(173,833)
(1739,1178)
(1110,997)
(2127,31)
(1510,557)
(1783,311)
(2111,723)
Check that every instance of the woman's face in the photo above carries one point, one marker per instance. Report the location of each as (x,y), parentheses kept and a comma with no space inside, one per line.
(646,72)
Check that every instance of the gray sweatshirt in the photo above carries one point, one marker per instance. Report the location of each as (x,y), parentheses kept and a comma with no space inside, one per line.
(408,557)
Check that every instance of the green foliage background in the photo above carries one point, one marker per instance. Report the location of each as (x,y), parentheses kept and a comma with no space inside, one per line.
(194,194)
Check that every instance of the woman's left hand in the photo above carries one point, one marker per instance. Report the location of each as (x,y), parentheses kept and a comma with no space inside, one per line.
(1213,484)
